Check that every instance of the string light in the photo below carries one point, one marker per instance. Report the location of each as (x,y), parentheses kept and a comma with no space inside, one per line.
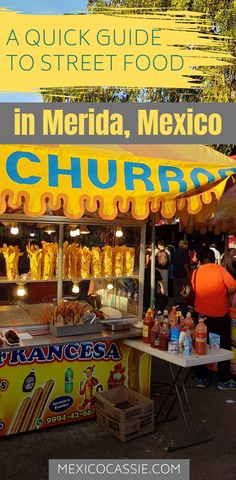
(14,230)
(74,231)
(75,288)
(21,290)
(119,232)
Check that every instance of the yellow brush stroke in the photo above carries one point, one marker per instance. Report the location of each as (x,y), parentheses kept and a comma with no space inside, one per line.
(187,34)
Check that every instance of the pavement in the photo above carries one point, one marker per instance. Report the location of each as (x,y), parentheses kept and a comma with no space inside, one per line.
(25,456)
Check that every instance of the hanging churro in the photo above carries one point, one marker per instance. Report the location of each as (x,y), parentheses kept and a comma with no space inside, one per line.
(96,262)
(11,255)
(107,261)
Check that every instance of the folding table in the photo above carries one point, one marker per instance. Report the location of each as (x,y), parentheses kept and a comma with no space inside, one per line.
(180,369)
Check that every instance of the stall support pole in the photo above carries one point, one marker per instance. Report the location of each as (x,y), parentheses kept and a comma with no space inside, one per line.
(60,263)
(141,271)
(226,246)
(152,293)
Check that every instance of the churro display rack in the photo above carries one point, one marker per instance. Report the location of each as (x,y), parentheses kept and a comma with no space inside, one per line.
(115,263)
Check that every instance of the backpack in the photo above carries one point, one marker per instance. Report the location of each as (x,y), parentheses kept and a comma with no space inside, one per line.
(162,259)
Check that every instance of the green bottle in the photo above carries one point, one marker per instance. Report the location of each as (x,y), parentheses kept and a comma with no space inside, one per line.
(69,380)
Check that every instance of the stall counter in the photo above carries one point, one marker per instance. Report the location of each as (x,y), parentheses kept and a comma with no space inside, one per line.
(49,381)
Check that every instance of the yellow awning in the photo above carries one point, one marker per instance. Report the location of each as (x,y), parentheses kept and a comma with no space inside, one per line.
(170,179)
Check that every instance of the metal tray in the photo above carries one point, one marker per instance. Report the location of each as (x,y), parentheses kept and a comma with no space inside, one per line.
(116,325)
(65,331)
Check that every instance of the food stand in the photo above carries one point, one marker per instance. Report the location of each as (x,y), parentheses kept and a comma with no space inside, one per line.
(47,376)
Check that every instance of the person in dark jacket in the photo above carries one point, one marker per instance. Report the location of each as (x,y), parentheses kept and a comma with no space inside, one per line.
(181,262)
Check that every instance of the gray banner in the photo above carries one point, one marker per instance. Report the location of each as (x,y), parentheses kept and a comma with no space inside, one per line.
(88,123)
(105,469)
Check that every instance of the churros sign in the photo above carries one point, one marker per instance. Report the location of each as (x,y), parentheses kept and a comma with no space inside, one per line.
(53,385)
(31,409)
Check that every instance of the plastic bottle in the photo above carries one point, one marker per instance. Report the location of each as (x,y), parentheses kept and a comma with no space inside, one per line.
(175,333)
(200,337)
(166,318)
(188,322)
(164,337)
(29,382)
(173,317)
(182,336)
(135,303)
(155,333)
(147,326)
(178,317)
(187,344)
(69,380)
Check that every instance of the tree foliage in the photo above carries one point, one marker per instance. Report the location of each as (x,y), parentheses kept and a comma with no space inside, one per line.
(220,87)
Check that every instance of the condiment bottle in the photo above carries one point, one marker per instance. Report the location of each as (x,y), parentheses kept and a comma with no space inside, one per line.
(188,322)
(172,317)
(164,337)
(178,316)
(147,326)
(166,318)
(200,337)
(155,333)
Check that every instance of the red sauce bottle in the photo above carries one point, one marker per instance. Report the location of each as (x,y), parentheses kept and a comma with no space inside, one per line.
(147,326)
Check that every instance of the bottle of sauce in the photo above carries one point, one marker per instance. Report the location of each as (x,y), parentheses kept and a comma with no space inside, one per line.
(173,317)
(188,323)
(164,337)
(166,318)
(147,326)
(200,337)
(155,333)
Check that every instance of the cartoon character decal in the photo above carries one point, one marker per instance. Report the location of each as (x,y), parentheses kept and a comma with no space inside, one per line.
(117,376)
(87,388)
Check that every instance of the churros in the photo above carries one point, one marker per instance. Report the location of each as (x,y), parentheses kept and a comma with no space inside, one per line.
(24,406)
(41,404)
(31,409)
(33,404)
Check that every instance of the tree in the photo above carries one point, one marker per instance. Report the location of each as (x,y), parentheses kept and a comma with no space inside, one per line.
(220,88)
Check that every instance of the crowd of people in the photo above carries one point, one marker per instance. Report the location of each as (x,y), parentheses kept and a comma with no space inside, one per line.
(203,278)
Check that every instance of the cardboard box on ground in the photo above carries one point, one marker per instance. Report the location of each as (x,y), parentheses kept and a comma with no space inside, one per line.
(124,413)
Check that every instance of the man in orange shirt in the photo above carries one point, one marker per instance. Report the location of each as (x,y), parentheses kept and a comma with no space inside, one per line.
(212,284)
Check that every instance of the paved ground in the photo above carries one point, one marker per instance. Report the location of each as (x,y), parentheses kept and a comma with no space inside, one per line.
(25,456)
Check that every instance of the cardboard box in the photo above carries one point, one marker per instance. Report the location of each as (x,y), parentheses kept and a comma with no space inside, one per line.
(137,405)
(125,430)
(124,413)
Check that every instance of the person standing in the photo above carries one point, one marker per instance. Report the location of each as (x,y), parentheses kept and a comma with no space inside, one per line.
(230,262)
(181,264)
(212,284)
(162,264)
(217,253)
